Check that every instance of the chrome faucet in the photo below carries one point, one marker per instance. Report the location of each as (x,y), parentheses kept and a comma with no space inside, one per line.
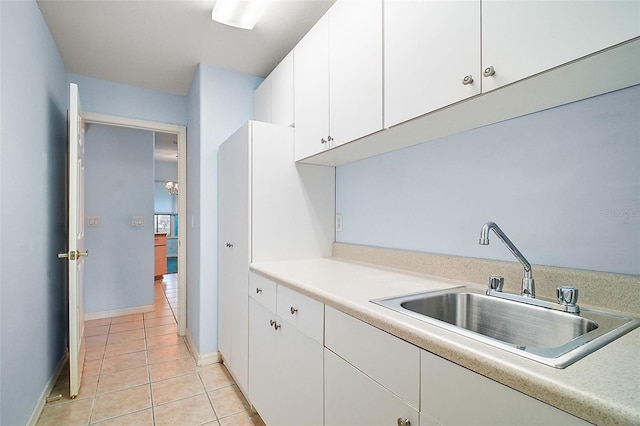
(528,285)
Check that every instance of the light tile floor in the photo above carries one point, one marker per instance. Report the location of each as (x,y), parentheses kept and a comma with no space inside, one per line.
(138,371)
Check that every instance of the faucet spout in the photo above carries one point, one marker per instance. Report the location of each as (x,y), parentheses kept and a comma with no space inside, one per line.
(528,284)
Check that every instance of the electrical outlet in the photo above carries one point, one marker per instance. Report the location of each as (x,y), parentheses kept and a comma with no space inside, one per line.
(338,223)
(94,221)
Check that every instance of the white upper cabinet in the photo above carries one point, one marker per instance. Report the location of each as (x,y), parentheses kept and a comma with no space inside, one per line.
(311,90)
(523,38)
(431,56)
(273,99)
(282,92)
(355,69)
(338,77)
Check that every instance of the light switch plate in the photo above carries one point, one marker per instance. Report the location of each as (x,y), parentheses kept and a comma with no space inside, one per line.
(137,221)
(338,223)
(94,221)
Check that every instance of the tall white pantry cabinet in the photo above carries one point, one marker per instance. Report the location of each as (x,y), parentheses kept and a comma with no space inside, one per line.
(270,209)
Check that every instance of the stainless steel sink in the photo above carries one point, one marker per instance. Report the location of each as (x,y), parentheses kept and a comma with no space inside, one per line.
(545,335)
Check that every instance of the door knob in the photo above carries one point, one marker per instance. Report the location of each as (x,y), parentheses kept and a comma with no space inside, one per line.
(73,255)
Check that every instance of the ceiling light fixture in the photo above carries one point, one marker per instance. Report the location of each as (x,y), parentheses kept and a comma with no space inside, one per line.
(239,13)
(172,188)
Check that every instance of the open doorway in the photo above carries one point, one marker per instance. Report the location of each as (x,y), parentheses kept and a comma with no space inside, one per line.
(166,218)
(171,133)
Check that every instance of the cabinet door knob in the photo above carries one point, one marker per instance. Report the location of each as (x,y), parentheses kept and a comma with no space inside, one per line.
(229,245)
(274,324)
(403,422)
(293,310)
(489,71)
(258,290)
(323,141)
(468,79)
(329,139)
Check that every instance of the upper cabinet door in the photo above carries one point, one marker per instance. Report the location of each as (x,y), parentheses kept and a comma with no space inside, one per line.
(355,69)
(429,49)
(282,92)
(311,90)
(523,38)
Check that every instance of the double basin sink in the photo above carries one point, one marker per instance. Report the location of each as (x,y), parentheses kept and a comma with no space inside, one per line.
(551,337)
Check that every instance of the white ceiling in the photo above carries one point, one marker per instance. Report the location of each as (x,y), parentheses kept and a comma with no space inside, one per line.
(157,44)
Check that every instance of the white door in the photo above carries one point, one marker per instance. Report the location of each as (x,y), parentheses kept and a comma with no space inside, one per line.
(76,253)
(234,219)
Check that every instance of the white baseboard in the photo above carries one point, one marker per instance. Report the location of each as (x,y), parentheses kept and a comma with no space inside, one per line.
(119,312)
(201,360)
(37,411)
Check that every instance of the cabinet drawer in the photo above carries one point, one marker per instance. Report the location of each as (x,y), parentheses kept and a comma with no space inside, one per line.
(390,361)
(304,313)
(262,290)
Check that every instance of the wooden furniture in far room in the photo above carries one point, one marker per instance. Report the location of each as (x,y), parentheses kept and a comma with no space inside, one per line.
(160,255)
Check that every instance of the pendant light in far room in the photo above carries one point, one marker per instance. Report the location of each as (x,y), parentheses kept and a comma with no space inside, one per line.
(239,13)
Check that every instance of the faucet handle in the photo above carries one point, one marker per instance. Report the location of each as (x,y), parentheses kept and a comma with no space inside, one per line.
(567,295)
(496,282)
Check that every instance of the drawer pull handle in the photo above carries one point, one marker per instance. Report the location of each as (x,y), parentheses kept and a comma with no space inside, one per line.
(274,324)
(258,290)
(293,310)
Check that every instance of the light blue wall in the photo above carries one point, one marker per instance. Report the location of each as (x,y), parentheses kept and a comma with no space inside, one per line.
(162,200)
(119,184)
(166,171)
(564,185)
(33,104)
(106,97)
(220,101)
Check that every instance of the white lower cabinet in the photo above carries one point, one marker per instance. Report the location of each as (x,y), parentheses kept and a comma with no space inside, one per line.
(360,375)
(453,395)
(371,377)
(285,363)
(352,398)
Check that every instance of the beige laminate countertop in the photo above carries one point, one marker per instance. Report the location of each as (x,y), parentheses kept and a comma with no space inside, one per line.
(602,388)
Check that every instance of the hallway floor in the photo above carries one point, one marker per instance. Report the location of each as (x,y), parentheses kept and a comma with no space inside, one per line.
(138,371)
